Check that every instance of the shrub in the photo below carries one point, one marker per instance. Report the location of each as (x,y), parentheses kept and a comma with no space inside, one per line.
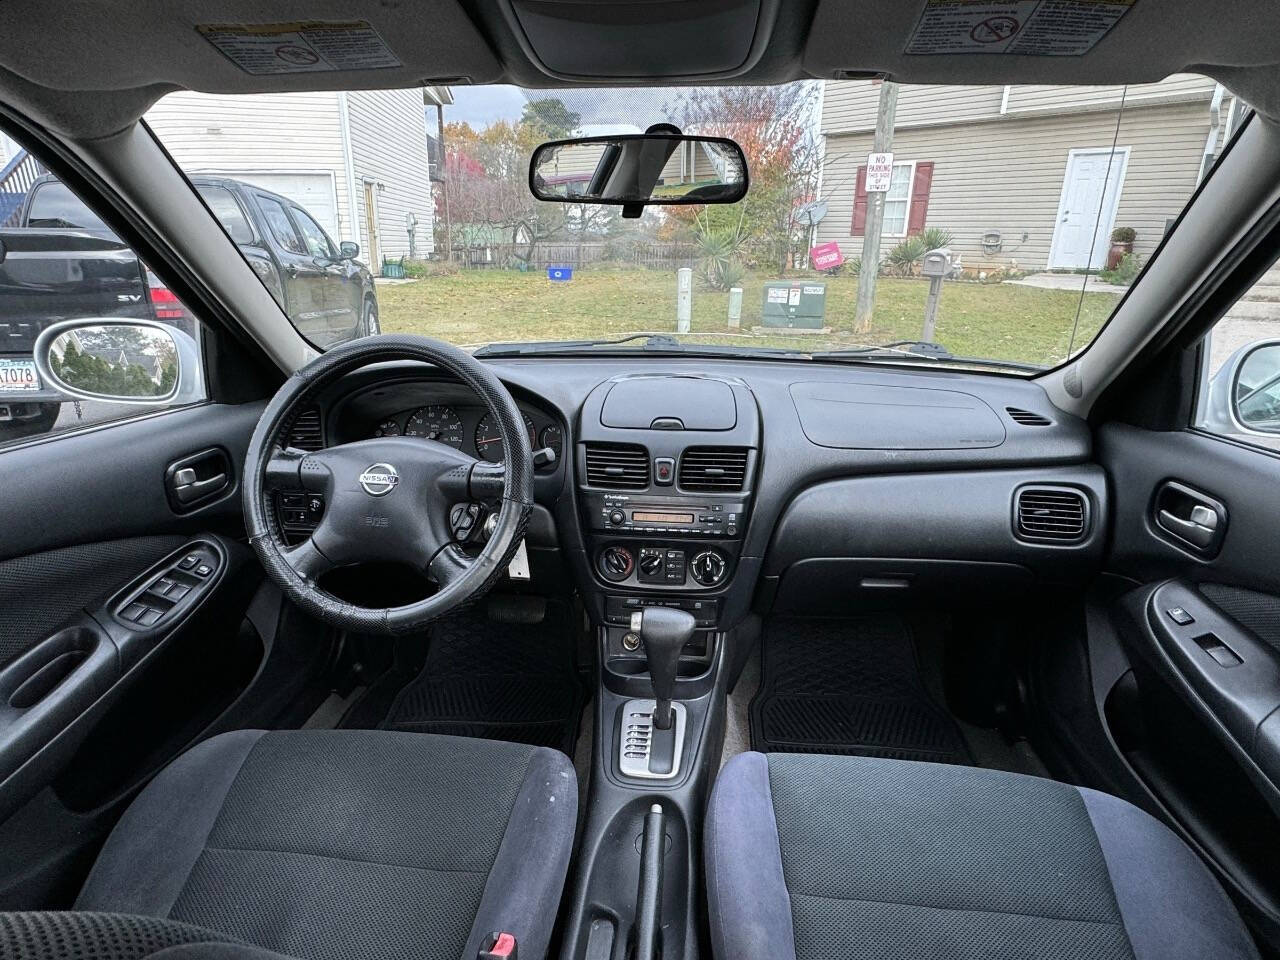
(1126,271)
(1124,235)
(902,259)
(935,237)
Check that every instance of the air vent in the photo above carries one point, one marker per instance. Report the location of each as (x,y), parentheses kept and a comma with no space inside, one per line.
(713,468)
(1054,514)
(306,434)
(1027,418)
(617,466)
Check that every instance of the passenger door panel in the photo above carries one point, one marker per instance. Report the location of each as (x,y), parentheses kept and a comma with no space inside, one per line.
(1197,718)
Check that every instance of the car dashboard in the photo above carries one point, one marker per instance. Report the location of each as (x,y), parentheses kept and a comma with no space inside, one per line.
(724,487)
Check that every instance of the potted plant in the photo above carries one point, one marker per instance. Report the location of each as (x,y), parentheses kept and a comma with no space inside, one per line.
(1121,245)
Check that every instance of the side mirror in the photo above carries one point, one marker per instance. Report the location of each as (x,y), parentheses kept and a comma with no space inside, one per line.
(1255,389)
(123,361)
(348,250)
(640,169)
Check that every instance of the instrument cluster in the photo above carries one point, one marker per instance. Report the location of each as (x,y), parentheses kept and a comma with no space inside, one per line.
(469,428)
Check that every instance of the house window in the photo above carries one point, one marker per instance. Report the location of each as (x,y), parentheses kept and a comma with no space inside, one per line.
(897,202)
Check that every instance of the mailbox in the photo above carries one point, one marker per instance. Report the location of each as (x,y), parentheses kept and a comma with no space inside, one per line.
(936,263)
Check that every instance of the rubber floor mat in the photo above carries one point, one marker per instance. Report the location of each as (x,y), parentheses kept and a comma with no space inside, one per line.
(497,681)
(848,686)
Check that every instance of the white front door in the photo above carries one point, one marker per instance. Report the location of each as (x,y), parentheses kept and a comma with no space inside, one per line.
(1087,209)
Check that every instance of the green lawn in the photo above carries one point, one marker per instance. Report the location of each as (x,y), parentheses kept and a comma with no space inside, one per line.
(997,321)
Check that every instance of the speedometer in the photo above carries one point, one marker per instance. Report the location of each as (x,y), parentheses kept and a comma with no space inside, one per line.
(489,441)
(436,422)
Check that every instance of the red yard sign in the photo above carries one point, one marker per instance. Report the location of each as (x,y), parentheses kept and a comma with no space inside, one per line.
(826,256)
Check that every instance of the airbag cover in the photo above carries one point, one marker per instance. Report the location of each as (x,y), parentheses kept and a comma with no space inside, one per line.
(867,416)
(698,403)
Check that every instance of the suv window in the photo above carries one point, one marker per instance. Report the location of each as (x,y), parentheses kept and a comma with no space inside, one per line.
(281,226)
(1239,394)
(47,276)
(318,242)
(228,211)
(55,207)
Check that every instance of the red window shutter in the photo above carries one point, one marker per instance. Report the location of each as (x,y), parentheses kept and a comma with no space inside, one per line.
(920,197)
(859,227)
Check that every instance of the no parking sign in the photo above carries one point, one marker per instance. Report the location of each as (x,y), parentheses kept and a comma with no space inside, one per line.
(559,274)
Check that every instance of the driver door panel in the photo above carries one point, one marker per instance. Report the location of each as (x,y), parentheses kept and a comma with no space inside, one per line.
(95,695)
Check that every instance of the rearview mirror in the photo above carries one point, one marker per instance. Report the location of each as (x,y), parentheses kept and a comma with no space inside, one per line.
(124,361)
(638,170)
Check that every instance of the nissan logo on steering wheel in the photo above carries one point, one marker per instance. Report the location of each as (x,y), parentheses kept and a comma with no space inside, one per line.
(379,480)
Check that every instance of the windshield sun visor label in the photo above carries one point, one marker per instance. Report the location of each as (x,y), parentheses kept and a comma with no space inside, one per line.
(306,47)
(1036,28)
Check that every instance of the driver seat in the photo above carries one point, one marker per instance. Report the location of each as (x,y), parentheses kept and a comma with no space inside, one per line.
(339,844)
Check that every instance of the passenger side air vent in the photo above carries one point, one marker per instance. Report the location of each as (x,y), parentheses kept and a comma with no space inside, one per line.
(306,433)
(617,466)
(714,469)
(1051,514)
(1027,418)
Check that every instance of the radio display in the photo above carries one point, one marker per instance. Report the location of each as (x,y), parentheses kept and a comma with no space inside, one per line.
(638,517)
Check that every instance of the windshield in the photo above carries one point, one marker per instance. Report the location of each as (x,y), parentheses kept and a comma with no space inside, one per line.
(983,225)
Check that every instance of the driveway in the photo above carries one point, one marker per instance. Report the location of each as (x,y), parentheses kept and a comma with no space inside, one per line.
(1074,282)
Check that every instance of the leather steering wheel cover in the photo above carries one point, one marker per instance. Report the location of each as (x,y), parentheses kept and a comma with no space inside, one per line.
(513,516)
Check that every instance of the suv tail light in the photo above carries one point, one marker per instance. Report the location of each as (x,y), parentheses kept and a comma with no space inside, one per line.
(164,302)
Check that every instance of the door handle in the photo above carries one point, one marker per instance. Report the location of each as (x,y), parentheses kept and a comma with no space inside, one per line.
(197,479)
(1190,517)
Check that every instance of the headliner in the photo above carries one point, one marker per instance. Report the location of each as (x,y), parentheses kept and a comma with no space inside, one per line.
(89,68)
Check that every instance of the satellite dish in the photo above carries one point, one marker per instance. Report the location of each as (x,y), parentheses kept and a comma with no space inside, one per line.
(811,213)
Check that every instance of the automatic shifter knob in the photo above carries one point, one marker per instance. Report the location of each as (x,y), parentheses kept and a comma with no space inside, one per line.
(664,631)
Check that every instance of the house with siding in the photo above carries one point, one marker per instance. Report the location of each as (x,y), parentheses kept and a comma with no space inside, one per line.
(1027,176)
(357,161)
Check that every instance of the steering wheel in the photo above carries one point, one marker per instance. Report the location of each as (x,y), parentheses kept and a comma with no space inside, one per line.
(388,498)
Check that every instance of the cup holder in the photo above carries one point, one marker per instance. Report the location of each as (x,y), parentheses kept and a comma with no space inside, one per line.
(57,658)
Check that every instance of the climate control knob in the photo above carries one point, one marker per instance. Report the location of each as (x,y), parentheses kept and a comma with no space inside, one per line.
(616,563)
(708,568)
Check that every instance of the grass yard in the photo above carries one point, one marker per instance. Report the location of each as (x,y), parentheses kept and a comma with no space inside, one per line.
(996,321)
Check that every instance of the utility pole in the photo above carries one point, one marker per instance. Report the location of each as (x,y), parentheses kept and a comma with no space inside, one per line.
(444,185)
(885,116)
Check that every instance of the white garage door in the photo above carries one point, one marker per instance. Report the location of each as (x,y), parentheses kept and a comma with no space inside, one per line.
(314,192)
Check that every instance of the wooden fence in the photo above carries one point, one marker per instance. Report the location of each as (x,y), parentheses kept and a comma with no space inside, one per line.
(649,256)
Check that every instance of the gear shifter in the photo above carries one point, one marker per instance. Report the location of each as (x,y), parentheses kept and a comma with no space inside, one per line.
(651,737)
(665,631)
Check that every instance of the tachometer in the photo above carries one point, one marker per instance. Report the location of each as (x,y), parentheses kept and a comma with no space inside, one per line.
(388,428)
(489,442)
(436,422)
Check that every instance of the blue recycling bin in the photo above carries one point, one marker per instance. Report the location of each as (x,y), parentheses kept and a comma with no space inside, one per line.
(559,274)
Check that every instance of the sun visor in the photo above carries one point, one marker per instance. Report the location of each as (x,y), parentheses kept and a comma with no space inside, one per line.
(618,39)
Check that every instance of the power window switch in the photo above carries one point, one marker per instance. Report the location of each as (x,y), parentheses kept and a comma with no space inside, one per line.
(134,612)
(150,617)
(1180,616)
(178,591)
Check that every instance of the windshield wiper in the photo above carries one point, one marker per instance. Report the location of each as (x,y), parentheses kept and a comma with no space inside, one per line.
(651,342)
(919,351)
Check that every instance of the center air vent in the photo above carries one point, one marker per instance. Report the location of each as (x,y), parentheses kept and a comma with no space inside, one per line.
(306,433)
(617,466)
(1027,418)
(1052,514)
(714,469)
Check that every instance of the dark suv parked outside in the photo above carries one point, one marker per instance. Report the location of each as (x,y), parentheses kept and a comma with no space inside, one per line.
(59,261)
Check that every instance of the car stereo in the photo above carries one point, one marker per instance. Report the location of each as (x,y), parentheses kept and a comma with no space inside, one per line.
(682,516)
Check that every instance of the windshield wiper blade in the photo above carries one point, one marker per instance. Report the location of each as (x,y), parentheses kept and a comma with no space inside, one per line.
(920,351)
(652,342)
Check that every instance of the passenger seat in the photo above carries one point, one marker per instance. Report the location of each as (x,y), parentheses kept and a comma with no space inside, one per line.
(852,857)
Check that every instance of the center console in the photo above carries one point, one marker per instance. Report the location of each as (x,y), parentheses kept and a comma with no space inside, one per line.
(665,475)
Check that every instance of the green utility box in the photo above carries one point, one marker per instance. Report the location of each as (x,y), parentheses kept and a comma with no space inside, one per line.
(797,304)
